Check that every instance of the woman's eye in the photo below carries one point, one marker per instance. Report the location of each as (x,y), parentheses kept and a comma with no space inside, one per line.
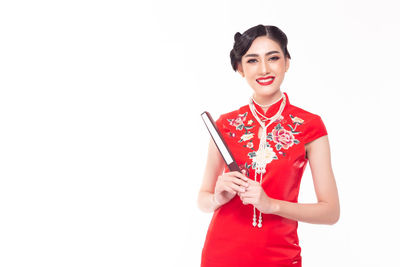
(255,60)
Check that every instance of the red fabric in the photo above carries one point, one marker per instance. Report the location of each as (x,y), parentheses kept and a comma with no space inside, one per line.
(231,239)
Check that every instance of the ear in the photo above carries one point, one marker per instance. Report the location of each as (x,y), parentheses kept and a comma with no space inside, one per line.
(240,68)
(287,63)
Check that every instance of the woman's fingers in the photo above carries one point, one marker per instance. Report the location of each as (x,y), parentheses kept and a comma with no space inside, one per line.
(240,182)
(230,186)
(229,189)
(237,188)
(239,178)
(246,200)
(240,175)
(233,182)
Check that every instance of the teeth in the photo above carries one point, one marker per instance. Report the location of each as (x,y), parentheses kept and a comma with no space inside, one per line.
(265,80)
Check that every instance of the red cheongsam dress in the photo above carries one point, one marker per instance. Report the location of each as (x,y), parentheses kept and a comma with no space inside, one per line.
(232,240)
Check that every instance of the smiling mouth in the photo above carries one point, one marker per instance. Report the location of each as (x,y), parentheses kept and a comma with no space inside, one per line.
(266,81)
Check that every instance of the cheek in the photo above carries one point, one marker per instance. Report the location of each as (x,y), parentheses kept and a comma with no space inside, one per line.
(251,77)
(250,70)
(279,67)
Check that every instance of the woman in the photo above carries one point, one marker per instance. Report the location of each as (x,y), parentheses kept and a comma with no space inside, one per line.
(256,211)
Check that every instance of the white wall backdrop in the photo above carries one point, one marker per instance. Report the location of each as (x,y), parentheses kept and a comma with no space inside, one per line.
(102,148)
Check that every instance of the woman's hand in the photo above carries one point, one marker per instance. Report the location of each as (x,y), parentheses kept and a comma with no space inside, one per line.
(228,185)
(256,196)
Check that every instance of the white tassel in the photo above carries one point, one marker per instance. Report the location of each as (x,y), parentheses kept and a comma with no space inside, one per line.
(261,159)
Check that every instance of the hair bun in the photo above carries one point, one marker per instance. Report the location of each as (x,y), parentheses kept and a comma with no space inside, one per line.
(237,36)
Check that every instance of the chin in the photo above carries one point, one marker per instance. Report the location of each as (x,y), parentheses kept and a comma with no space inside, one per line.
(265,91)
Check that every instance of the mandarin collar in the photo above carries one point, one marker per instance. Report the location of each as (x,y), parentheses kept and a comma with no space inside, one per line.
(272,110)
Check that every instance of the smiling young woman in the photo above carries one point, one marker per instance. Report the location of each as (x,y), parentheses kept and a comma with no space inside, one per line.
(256,212)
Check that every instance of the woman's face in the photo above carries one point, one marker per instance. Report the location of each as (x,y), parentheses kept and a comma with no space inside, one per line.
(264,59)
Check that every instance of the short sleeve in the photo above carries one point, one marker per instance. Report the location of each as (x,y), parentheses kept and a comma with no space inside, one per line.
(316,128)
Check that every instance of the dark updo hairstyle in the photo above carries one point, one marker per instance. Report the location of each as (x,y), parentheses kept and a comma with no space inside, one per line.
(244,41)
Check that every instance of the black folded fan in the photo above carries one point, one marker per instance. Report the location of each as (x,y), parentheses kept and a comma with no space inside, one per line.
(219,142)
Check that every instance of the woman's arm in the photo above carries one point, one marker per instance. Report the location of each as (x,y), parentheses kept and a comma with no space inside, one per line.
(214,167)
(217,189)
(327,210)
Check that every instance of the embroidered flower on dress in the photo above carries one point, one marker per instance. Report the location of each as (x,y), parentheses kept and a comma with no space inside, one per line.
(249,144)
(279,135)
(296,120)
(246,137)
(282,138)
(263,158)
(238,122)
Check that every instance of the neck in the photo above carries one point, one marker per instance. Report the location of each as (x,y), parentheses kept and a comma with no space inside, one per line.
(267,100)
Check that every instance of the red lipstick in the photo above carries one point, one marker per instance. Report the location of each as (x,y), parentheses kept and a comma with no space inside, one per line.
(266,80)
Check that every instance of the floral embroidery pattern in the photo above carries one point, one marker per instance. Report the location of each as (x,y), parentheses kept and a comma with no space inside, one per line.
(239,121)
(296,121)
(249,145)
(266,158)
(246,137)
(283,139)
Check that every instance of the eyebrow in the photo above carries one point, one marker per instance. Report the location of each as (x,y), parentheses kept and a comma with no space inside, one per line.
(267,54)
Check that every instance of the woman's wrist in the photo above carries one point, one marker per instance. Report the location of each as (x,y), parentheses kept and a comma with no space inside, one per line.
(215,202)
(275,206)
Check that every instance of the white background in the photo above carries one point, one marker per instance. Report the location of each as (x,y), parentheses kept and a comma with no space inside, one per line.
(102,148)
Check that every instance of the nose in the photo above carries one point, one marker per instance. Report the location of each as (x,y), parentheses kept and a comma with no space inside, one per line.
(264,68)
